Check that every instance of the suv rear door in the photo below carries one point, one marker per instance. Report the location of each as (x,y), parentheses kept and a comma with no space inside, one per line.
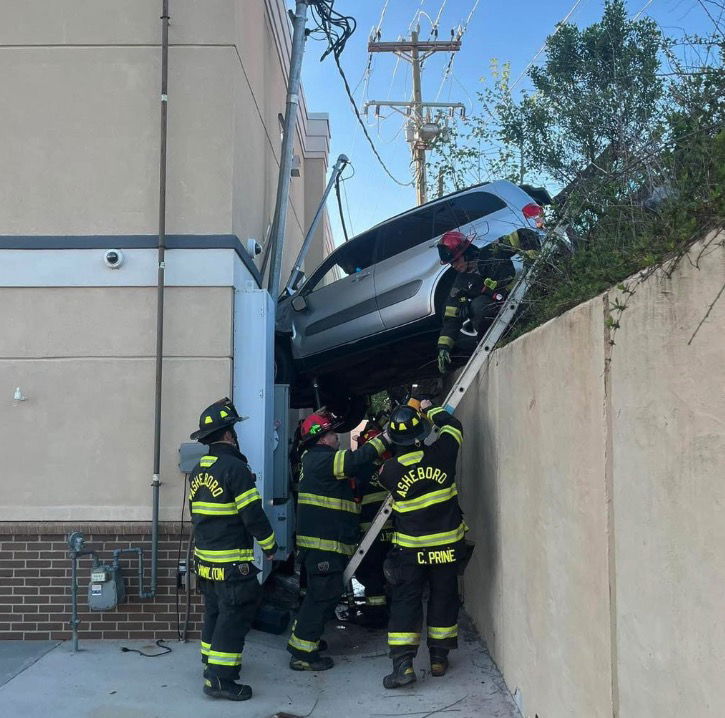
(407,267)
(340,296)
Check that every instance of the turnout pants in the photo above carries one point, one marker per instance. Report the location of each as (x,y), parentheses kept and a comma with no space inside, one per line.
(229,609)
(324,589)
(483,310)
(409,571)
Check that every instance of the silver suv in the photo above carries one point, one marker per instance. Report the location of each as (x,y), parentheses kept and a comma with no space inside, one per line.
(367,317)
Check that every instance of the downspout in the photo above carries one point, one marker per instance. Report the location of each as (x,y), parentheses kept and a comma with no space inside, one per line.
(155,482)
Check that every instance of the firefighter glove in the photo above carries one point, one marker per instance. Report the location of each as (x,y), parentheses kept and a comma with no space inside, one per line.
(444,359)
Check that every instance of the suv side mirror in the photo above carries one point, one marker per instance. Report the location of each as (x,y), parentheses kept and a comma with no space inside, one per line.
(299,303)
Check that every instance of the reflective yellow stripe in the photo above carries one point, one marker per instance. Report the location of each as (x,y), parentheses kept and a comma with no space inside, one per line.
(422,502)
(301,645)
(268,542)
(338,465)
(433,411)
(403,639)
(218,658)
(455,433)
(375,600)
(328,502)
(378,444)
(451,312)
(247,497)
(205,648)
(209,508)
(446,632)
(325,545)
(234,554)
(440,539)
(206,461)
(372,498)
(445,341)
(413,457)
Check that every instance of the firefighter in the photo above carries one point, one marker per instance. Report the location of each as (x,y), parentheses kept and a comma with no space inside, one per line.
(481,285)
(227,514)
(328,529)
(370,572)
(428,538)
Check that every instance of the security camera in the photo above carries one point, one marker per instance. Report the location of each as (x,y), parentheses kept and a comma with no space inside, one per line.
(113,258)
(253,247)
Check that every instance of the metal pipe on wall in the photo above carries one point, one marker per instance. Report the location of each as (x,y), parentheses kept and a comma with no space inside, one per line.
(285,163)
(155,482)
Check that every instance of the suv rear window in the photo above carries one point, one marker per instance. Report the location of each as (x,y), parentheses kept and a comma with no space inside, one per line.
(421,226)
(457,211)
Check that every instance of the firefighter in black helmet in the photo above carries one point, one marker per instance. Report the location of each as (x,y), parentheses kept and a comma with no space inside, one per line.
(428,533)
(227,515)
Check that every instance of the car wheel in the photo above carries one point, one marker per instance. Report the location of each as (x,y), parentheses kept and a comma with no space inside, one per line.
(284,371)
(350,410)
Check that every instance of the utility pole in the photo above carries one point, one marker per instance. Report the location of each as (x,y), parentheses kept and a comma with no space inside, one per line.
(421,130)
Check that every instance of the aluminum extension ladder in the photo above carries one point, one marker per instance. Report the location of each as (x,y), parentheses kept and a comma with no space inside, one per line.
(479,359)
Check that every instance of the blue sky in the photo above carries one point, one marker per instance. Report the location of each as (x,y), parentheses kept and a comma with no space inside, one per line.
(509,31)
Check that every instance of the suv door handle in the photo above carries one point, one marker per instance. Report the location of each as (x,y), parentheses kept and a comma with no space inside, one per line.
(359,276)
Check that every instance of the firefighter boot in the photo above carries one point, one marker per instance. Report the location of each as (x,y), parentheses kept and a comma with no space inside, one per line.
(403,673)
(438,661)
(218,688)
(313,662)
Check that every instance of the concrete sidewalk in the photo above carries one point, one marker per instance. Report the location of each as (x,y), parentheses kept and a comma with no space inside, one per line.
(100,681)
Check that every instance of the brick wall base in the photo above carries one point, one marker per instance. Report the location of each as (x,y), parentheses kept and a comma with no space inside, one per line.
(35,582)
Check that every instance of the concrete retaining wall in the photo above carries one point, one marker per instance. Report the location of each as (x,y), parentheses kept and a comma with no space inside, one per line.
(593,479)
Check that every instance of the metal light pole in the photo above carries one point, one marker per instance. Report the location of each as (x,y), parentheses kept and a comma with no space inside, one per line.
(340,165)
(285,163)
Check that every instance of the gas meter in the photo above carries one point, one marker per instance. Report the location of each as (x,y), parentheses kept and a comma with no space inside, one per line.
(106,589)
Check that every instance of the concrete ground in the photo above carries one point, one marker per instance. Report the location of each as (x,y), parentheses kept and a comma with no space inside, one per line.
(101,681)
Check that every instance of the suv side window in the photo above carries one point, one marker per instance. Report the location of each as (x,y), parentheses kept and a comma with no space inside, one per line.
(457,211)
(405,232)
(352,257)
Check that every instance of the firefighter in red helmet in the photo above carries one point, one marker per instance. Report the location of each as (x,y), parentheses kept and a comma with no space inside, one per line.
(327,530)
(481,285)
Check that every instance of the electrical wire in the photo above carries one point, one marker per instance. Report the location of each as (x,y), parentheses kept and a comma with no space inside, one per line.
(337,29)
(461,33)
(558,27)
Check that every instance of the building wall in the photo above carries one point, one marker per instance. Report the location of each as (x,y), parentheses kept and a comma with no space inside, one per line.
(80,139)
(592,479)
(80,134)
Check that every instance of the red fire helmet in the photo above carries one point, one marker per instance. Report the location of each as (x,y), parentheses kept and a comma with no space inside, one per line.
(452,245)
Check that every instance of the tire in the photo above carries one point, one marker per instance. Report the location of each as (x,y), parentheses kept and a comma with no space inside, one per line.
(284,370)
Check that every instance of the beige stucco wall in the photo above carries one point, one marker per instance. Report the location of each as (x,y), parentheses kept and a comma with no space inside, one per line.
(595,492)
(81,446)
(80,83)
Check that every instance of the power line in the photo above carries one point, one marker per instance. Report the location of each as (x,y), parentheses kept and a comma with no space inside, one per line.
(461,33)
(337,29)
(644,7)
(543,47)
